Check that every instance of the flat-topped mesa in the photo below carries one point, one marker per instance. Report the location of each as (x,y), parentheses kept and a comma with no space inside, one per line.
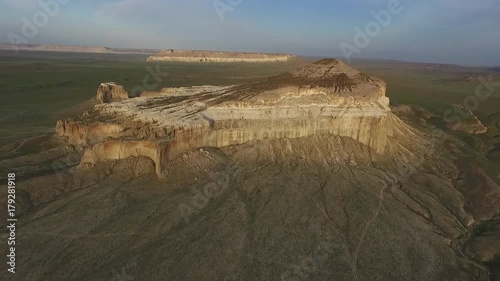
(215,56)
(324,98)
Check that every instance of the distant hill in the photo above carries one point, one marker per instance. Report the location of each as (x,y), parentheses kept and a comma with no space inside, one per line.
(464,72)
(75,49)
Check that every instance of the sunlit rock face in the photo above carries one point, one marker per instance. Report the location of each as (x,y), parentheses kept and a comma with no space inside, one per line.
(111,92)
(324,98)
(221,57)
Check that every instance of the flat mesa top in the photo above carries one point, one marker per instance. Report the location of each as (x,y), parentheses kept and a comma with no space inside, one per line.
(218,54)
(327,82)
(321,82)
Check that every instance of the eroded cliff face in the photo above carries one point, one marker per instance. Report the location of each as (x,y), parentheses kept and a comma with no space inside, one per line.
(363,194)
(122,149)
(81,134)
(325,98)
(213,56)
(111,92)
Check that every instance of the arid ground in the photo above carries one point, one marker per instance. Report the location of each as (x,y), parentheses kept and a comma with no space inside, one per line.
(314,208)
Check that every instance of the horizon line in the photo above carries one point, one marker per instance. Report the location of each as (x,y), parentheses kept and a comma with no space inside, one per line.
(251,52)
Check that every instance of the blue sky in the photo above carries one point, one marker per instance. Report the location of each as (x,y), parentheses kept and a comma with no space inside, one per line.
(446,31)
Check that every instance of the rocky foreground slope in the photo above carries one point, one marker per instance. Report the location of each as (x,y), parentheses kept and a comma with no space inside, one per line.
(216,56)
(308,175)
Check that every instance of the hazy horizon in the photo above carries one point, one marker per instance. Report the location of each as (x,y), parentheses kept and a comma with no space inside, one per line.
(130,151)
(443,31)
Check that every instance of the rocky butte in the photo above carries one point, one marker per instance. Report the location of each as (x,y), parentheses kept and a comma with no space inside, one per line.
(306,175)
(324,98)
(215,56)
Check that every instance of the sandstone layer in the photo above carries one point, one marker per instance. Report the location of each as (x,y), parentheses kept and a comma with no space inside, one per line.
(325,98)
(279,207)
(215,56)
(111,92)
